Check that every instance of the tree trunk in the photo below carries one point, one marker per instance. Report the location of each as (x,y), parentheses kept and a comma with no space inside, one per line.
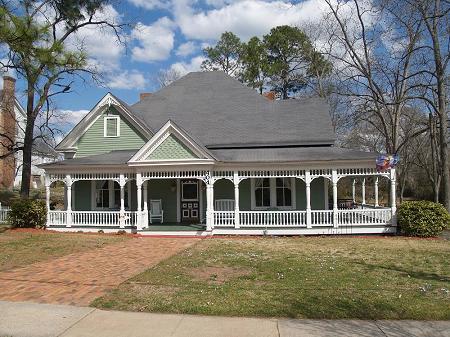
(28,145)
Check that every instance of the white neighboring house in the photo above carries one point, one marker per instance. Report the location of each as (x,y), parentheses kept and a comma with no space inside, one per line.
(11,169)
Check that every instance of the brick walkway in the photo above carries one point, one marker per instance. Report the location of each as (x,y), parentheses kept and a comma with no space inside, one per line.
(79,278)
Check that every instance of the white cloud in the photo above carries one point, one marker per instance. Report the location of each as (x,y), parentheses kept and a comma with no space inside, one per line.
(245,18)
(151,4)
(127,80)
(71,117)
(186,49)
(184,68)
(100,43)
(155,42)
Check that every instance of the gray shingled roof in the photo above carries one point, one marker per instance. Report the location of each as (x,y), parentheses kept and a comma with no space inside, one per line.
(297,154)
(220,111)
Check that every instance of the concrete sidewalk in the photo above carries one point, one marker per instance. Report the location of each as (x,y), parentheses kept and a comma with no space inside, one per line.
(20,319)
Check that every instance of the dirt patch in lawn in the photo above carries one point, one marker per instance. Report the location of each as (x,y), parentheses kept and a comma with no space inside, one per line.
(218,275)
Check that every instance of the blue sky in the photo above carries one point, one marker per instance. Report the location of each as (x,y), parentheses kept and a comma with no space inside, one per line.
(171,34)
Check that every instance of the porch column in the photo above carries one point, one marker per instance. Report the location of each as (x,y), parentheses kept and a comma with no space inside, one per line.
(145,222)
(236,199)
(334,180)
(354,191)
(209,205)
(47,197)
(122,183)
(363,191)
(308,198)
(47,192)
(139,201)
(393,197)
(376,192)
(68,182)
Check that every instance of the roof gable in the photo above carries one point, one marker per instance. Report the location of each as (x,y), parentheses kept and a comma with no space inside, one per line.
(171,148)
(68,143)
(171,145)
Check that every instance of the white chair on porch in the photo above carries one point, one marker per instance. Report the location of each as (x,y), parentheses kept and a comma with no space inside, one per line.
(224,205)
(156,211)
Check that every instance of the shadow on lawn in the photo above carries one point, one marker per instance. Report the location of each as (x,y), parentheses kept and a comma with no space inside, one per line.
(342,306)
(408,273)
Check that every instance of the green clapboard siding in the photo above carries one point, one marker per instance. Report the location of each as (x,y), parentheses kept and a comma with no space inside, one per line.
(166,191)
(82,190)
(93,141)
(171,148)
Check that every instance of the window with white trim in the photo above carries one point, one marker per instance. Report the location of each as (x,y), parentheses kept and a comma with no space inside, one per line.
(262,192)
(102,194)
(106,194)
(112,126)
(284,192)
(273,193)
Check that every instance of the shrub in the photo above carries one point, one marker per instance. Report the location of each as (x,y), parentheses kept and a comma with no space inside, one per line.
(7,197)
(422,218)
(28,213)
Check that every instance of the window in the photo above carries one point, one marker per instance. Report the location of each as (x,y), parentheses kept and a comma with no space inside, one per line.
(106,194)
(273,193)
(284,192)
(102,194)
(112,126)
(262,192)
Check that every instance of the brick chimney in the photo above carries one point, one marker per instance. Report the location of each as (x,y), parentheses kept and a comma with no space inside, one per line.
(144,95)
(270,95)
(7,132)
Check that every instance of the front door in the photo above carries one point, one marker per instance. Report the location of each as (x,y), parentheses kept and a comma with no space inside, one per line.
(189,201)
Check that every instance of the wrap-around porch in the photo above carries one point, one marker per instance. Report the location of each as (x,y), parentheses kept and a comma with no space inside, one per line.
(222,202)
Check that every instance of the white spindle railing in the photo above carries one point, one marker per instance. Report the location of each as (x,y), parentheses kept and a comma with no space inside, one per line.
(272,218)
(223,218)
(374,216)
(92,218)
(4,214)
(224,205)
(321,218)
(56,218)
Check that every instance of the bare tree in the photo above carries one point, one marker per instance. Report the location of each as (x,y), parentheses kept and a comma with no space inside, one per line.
(434,84)
(167,76)
(34,35)
(373,51)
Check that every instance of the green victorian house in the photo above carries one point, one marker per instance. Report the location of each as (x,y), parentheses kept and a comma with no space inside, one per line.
(207,155)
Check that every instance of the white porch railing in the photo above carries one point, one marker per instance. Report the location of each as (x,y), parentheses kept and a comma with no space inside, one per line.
(372,216)
(272,218)
(91,218)
(321,218)
(223,218)
(4,214)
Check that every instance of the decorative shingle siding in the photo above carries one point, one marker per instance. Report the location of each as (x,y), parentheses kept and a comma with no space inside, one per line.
(171,148)
(93,141)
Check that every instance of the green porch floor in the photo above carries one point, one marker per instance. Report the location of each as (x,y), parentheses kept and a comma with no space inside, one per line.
(174,227)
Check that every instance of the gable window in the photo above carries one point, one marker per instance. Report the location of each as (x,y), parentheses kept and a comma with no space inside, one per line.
(284,192)
(262,192)
(276,193)
(112,126)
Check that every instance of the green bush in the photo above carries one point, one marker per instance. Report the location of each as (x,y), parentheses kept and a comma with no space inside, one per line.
(422,218)
(28,213)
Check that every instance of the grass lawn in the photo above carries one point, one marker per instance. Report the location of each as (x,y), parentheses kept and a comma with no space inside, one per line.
(19,248)
(303,277)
